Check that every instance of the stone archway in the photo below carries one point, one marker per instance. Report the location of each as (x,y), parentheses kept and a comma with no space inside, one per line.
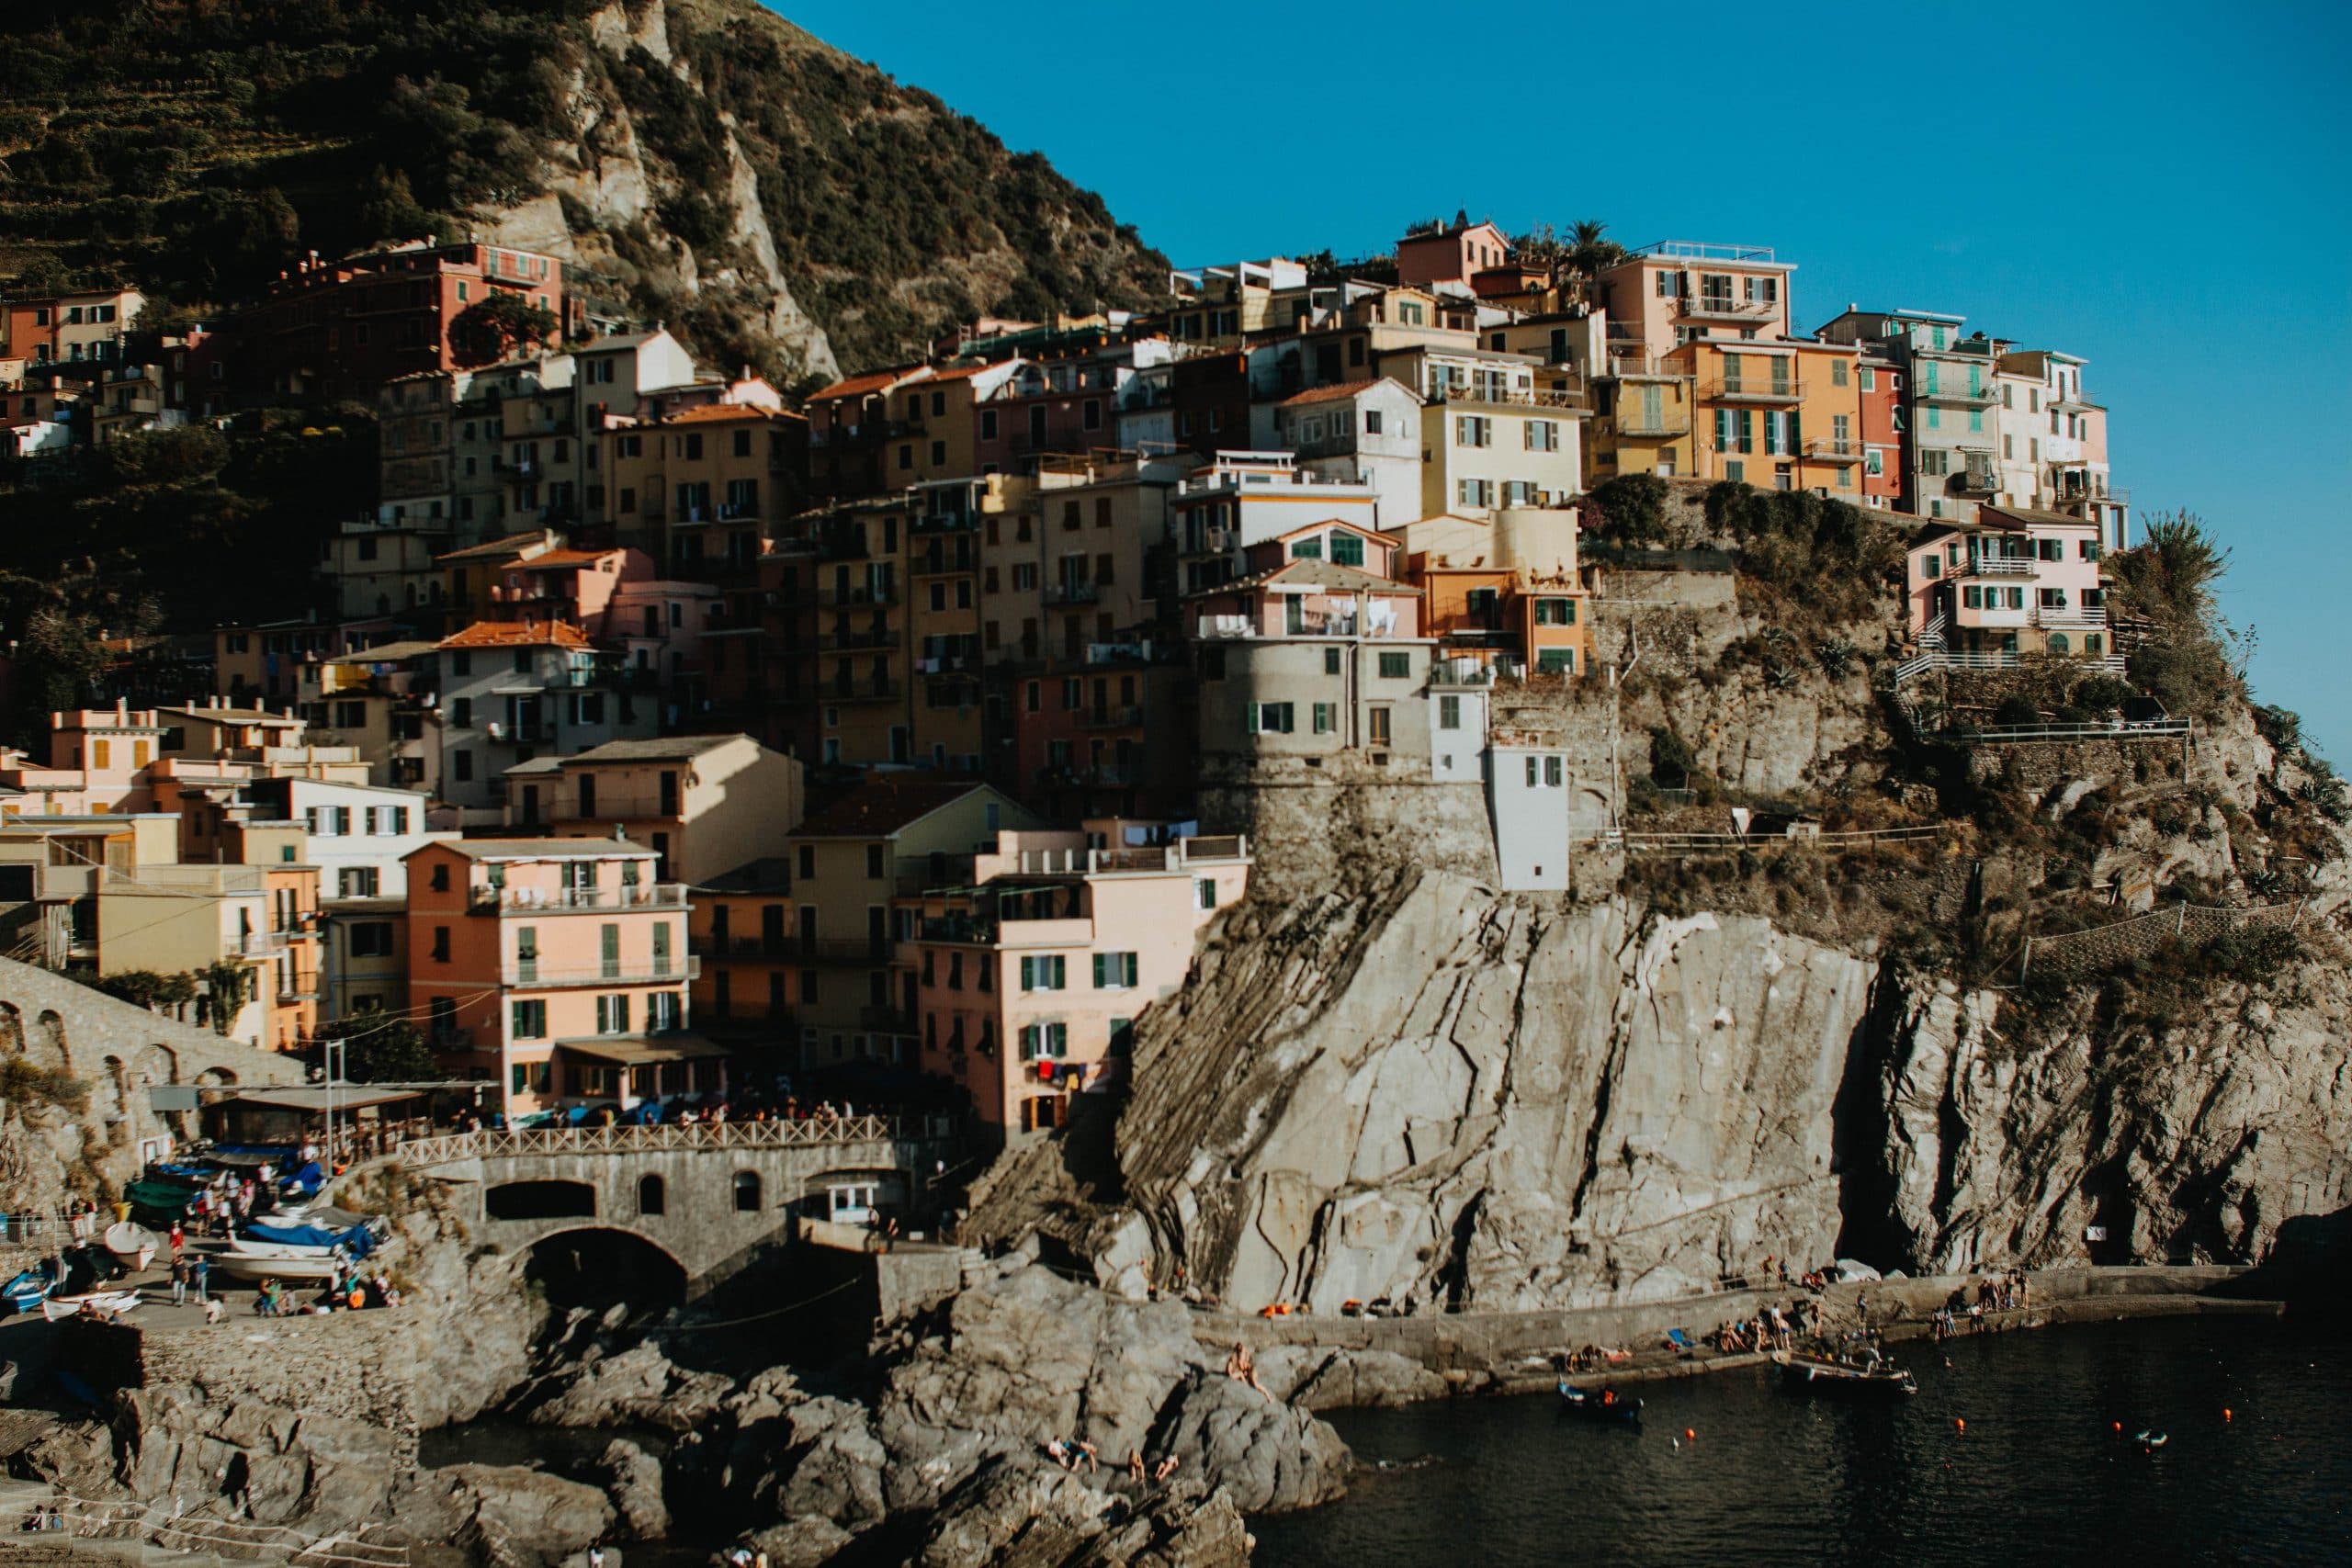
(49,1034)
(600,1264)
(12,1029)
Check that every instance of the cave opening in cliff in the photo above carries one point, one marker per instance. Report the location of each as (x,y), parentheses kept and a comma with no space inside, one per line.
(596,1268)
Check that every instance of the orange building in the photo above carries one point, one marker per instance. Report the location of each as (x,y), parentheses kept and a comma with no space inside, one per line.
(556,967)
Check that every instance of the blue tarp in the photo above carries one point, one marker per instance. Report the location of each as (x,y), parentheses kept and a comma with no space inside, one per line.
(356,1241)
(306,1180)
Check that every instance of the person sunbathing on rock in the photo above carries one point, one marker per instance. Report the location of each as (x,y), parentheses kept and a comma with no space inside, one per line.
(1241,1368)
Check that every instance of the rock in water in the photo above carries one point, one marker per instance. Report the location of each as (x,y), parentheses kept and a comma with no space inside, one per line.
(637,1386)
(633,1482)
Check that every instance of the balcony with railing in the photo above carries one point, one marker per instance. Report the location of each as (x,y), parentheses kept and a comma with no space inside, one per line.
(489,900)
(1072,593)
(524,973)
(1974,482)
(873,688)
(845,950)
(1755,390)
(1647,367)
(2000,565)
(1638,426)
(1506,396)
(835,593)
(1835,451)
(1120,716)
(757,949)
(1726,308)
(1926,390)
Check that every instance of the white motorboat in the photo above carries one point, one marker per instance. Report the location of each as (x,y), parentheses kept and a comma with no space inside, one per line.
(133,1245)
(246,1244)
(258,1260)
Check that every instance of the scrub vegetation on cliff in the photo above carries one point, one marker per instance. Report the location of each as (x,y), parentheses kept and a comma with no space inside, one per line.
(695,156)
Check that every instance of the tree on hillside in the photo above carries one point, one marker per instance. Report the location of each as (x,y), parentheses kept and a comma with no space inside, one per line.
(2172,571)
(381,1050)
(494,328)
(1589,250)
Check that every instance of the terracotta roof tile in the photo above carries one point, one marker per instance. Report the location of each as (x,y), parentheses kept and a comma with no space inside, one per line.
(857,386)
(514,544)
(1333,393)
(518,634)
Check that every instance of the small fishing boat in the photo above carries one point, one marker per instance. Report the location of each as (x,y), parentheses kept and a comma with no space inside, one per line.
(1867,1374)
(2152,1438)
(27,1290)
(100,1304)
(133,1245)
(256,1261)
(1600,1405)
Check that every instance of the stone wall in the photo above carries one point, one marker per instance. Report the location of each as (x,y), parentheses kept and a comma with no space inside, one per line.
(359,1367)
(1307,818)
(119,1052)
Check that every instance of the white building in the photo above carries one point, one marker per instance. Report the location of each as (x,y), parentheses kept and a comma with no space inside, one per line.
(1529,793)
(1359,433)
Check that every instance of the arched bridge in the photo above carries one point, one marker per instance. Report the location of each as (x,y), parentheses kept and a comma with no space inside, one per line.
(705,1194)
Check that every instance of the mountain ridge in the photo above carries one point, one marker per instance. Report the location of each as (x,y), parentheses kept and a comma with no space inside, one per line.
(704,162)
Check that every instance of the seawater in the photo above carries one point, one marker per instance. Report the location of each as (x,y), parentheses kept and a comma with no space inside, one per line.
(2039,1476)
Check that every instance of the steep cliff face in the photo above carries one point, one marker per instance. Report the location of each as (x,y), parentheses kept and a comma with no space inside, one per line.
(1440,1094)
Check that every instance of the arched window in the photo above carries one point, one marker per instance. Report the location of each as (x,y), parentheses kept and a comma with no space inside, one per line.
(747,1191)
(650,1198)
(2058,643)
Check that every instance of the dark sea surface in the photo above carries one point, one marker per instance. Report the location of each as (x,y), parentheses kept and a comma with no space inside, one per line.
(2039,1476)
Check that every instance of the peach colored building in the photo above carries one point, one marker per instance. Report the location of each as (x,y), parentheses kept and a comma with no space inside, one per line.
(1452,254)
(1028,984)
(556,967)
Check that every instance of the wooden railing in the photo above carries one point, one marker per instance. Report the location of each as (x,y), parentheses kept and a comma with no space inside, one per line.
(622,1138)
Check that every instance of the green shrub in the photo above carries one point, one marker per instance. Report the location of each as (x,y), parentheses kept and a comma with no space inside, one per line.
(2102,693)
(2017,712)
(24,1084)
(1671,759)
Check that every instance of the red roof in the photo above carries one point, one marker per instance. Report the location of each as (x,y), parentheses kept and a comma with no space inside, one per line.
(879,807)
(557,558)
(710,413)
(518,634)
(857,386)
(1331,394)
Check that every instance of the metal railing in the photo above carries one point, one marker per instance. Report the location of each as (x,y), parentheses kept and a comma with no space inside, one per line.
(1948,658)
(522,976)
(868,691)
(1833,451)
(1723,308)
(1770,389)
(1936,392)
(1856,837)
(1072,593)
(858,594)
(1665,426)
(1998,566)
(2116,730)
(1122,717)
(557,900)
(621,1138)
(1522,396)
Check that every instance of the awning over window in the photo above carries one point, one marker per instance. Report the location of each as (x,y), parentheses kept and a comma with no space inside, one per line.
(637,1050)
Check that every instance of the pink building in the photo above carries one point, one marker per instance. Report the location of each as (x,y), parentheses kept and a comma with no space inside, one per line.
(577,586)
(2013,580)
(556,967)
(1028,984)
(1452,254)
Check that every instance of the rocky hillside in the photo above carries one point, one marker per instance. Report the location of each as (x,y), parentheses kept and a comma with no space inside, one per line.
(703,161)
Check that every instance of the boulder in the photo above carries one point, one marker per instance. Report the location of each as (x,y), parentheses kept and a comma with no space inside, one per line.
(835,1467)
(633,1482)
(1270,1455)
(504,1514)
(636,1386)
(802,1542)
(1343,1380)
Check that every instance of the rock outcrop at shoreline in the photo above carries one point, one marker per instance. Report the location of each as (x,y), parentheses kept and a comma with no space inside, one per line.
(950,1456)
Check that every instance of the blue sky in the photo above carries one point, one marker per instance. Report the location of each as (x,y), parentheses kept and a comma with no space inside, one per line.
(2162,188)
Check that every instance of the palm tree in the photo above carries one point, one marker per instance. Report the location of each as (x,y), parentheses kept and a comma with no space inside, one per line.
(1589,250)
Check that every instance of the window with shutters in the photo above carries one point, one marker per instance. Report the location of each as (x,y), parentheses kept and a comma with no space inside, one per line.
(530,1021)
(1473,430)
(1115,972)
(1449,712)
(1047,973)
(1325,718)
(1396,666)
(1542,435)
